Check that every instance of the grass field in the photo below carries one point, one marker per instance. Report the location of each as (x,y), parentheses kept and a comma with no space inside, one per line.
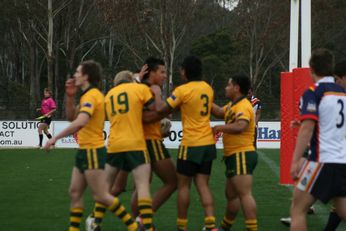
(33,194)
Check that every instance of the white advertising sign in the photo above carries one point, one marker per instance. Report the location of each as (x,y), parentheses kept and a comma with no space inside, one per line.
(18,133)
(24,134)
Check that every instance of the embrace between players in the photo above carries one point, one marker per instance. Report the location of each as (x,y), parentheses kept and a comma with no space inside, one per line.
(134,111)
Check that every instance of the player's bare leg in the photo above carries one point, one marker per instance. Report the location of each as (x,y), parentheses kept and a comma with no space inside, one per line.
(165,170)
(243,187)
(120,182)
(300,205)
(232,208)
(141,175)
(96,179)
(202,185)
(77,187)
(183,200)
(96,217)
(340,207)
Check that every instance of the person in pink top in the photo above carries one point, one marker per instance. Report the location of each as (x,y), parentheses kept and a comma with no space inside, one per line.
(48,107)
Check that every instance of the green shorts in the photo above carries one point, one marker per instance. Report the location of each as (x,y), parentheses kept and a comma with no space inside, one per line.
(197,154)
(157,150)
(87,159)
(128,161)
(241,163)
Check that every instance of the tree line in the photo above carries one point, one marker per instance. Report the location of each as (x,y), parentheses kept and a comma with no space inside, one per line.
(44,40)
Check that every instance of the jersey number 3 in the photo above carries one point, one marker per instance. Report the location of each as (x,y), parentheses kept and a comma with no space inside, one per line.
(205,100)
(341,113)
(122,104)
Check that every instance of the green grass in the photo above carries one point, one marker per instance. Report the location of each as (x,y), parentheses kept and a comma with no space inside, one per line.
(34,184)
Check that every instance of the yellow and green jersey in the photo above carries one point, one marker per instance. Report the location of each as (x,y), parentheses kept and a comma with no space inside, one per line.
(152,131)
(124,108)
(244,141)
(92,103)
(195,100)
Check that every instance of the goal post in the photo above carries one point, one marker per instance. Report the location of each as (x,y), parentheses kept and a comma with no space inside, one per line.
(294,82)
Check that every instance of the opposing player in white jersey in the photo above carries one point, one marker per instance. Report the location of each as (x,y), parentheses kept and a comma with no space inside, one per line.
(323,111)
(257,108)
(340,78)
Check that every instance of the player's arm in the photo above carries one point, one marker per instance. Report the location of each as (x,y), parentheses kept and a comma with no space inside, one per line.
(81,120)
(70,92)
(258,111)
(309,117)
(217,111)
(258,115)
(303,139)
(234,128)
(161,107)
(151,116)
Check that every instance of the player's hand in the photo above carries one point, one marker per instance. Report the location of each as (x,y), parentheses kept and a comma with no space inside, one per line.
(50,144)
(295,123)
(70,88)
(216,130)
(144,70)
(156,89)
(294,171)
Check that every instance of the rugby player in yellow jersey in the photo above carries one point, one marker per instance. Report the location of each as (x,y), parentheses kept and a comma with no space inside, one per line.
(127,149)
(91,155)
(239,152)
(153,72)
(197,149)
(161,162)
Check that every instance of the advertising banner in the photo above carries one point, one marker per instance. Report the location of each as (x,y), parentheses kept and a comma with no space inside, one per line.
(24,134)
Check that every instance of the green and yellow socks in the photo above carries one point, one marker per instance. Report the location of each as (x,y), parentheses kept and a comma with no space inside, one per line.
(75,218)
(145,208)
(181,224)
(209,223)
(226,223)
(99,213)
(251,225)
(119,210)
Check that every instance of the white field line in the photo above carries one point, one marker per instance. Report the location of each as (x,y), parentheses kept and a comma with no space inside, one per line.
(321,211)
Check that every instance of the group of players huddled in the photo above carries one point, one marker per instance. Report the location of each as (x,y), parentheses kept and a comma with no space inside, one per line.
(137,112)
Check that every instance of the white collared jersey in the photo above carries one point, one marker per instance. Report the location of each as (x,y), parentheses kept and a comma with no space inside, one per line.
(325,103)
(256,104)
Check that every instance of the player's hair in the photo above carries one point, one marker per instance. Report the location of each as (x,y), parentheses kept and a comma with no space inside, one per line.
(243,81)
(93,70)
(322,62)
(192,66)
(340,69)
(48,90)
(153,64)
(123,76)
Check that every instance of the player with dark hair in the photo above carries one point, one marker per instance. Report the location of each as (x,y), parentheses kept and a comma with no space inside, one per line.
(161,162)
(197,149)
(239,152)
(48,107)
(340,73)
(91,155)
(322,177)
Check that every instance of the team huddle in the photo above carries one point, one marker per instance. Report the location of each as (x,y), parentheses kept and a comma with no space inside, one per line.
(136,112)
